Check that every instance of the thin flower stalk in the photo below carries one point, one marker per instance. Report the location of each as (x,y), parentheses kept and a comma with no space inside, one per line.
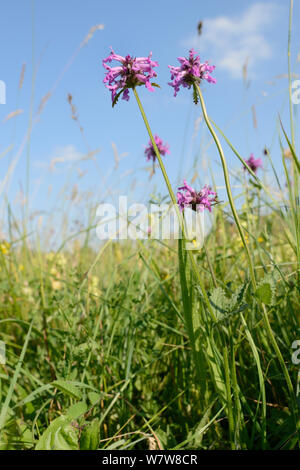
(230,197)
(174,201)
(228,188)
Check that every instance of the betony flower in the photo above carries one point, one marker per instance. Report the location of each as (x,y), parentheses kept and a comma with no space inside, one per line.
(190,72)
(196,200)
(132,72)
(253,163)
(162,148)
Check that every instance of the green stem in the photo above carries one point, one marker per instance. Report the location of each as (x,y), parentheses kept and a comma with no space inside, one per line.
(212,273)
(280,358)
(265,316)
(229,399)
(260,378)
(163,170)
(174,201)
(295,169)
(294,405)
(227,183)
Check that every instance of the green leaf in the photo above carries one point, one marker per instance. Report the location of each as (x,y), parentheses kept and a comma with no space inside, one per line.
(93,397)
(60,435)
(264,293)
(67,388)
(196,435)
(219,302)
(258,186)
(224,307)
(77,409)
(116,444)
(266,289)
(236,301)
(156,85)
(297,163)
(90,436)
(5,406)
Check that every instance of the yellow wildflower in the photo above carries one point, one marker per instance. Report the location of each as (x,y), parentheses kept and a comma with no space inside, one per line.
(54,272)
(240,244)
(61,260)
(4,247)
(50,256)
(94,285)
(56,285)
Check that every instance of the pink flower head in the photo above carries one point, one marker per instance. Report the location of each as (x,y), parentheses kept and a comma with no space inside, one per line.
(132,72)
(253,163)
(191,71)
(198,201)
(162,148)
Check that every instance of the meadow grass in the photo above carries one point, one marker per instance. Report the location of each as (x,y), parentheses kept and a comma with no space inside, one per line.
(105,355)
(146,345)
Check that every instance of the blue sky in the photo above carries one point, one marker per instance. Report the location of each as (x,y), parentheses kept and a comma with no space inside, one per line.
(45,36)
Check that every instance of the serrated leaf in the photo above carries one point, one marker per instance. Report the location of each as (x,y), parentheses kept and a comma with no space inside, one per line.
(67,388)
(224,307)
(219,302)
(236,301)
(266,289)
(264,293)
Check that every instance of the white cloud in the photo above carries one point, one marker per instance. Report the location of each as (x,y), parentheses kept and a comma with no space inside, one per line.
(233,40)
(69,154)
